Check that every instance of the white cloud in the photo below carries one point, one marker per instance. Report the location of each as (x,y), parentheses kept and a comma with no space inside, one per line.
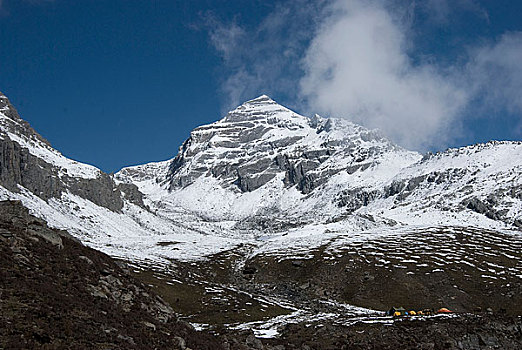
(228,40)
(263,59)
(357,66)
(495,71)
(353,59)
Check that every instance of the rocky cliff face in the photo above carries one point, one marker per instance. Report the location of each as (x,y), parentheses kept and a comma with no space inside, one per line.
(261,139)
(28,160)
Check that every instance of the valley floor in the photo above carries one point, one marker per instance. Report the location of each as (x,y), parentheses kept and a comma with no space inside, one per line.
(307,298)
(56,293)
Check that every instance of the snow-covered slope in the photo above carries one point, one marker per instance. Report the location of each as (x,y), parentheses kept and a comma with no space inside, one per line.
(265,167)
(263,160)
(478,185)
(263,175)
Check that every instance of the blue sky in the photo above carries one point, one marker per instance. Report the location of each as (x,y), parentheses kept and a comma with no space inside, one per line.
(122,82)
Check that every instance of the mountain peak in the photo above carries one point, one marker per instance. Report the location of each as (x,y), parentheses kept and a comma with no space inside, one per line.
(263,99)
(263,108)
(263,102)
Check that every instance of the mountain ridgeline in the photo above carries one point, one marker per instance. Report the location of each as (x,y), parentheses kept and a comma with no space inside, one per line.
(331,167)
(260,140)
(263,168)
(29,161)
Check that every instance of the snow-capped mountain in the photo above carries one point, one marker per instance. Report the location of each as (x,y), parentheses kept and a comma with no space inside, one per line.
(264,161)
(263,175)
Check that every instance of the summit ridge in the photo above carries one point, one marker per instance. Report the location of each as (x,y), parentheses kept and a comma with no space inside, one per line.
(262,171)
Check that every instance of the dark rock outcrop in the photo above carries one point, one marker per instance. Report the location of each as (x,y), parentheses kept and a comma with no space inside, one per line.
(57,293)
(355,199)
(19,167)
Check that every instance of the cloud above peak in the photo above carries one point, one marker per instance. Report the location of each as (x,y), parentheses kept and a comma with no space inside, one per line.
(357,66)
(358,60)
(263,58)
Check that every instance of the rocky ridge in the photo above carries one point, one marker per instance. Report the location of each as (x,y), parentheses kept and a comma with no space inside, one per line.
(261,170)
(28,160)
(260,139)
